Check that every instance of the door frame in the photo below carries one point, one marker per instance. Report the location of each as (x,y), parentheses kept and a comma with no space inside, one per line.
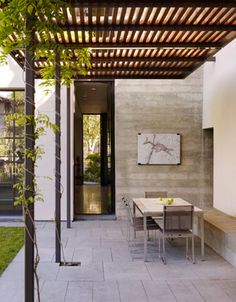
(113,168)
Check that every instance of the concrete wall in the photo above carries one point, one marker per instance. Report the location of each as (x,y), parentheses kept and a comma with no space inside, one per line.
(219,111)
(162,106)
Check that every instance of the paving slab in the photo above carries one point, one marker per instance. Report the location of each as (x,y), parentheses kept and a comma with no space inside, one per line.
(54,291)
(81,291)
(126,271)
(112,270)
(210,291)
(106,291)
(89,272)
(158,291)
(184,291)
(132,291)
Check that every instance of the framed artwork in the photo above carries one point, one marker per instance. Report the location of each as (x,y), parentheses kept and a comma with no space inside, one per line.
(158,149)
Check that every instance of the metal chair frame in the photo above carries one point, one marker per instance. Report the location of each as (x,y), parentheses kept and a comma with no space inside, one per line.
(177,222)
(137,222)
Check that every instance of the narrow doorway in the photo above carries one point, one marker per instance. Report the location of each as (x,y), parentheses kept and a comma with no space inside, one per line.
(93,149)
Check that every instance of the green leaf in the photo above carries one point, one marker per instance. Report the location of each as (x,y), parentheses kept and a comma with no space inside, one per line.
(30,9)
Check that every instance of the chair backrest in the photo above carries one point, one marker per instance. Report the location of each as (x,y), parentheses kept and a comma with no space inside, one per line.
(178,218)
(124,200)
(128,209)
(155,194)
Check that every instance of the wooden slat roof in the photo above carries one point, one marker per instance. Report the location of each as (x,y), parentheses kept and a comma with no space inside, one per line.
(146,39)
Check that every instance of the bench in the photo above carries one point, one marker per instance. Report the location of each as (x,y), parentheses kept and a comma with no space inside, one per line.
(220,233)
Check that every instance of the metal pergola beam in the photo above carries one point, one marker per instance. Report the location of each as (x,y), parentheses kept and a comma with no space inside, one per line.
(68,108)
(155,69)
(139,69)
(147,45)
(58,160)
(149,27)
(29,169)
(141,59)
(111,77)
(154,3)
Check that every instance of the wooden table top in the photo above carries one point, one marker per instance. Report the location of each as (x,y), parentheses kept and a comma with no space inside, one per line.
(154,206)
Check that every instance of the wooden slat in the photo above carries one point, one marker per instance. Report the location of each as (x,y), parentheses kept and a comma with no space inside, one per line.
(122,17)
(131,15)
(137,21)
(90,22)
(142,27)
(81,11)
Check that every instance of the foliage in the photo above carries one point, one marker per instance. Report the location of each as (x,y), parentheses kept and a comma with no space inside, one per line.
(91,132)
(11,240)
(27,195)
(40,124)
(93,168)
(41,16)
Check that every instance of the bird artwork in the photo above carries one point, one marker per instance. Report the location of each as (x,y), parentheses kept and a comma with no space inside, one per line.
(158,149)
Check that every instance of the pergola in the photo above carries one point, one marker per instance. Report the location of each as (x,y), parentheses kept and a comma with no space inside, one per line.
(138,39)
(144,39)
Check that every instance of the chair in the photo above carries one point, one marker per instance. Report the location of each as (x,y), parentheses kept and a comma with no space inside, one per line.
(137,222)
(155,194)
(177,222)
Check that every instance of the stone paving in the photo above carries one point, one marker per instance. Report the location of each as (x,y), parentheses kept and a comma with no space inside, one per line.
(112,271)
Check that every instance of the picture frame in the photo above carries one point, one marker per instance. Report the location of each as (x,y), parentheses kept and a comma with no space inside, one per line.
(159,149)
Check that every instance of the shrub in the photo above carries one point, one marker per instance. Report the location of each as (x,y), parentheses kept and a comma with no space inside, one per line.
(93,167)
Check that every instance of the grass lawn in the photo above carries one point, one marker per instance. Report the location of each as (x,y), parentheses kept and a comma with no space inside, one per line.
(11,240)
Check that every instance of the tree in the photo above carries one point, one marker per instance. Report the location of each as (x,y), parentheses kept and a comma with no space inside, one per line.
(91,132)
(43,14)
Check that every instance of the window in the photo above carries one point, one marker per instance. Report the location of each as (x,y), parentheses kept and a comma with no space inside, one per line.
(11,149)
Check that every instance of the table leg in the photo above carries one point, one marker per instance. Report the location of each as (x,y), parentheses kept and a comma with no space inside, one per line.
(134,212)
(145,236)
(202,237)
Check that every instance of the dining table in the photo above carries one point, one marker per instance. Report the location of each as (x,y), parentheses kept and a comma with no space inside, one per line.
(153,207)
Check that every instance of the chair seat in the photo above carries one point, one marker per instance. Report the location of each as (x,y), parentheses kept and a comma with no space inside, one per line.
(151,224)
(173,233)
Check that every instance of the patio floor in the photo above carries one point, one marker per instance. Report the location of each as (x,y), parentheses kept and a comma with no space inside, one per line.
(111,271)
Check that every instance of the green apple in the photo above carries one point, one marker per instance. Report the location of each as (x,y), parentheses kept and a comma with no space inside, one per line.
(170,200)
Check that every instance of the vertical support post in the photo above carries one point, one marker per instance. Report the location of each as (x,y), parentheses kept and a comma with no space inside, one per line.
(68,160)
(29,170)
(58,159)
(104,159)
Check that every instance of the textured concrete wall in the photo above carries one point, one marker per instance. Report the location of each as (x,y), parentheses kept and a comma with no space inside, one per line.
(162,106)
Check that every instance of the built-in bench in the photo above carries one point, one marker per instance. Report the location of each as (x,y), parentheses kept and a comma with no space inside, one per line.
(220,234)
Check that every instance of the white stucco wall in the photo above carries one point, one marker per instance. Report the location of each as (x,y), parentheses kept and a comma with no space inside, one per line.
(12,76)
(219,112)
